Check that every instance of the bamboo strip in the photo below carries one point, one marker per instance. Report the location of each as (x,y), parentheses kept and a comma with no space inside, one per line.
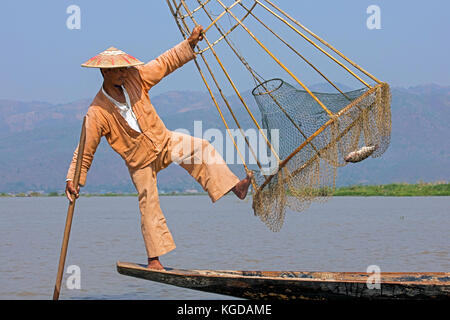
(245,63)
(295,51)
(233,85)
(325,43)
(228,32)
(202,5)
(220,16)
(281,64)
(226,102)
(314,44)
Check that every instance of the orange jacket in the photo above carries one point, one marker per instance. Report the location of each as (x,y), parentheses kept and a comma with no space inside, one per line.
(103,118)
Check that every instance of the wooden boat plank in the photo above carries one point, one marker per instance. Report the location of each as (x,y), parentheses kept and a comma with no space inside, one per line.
(298,284)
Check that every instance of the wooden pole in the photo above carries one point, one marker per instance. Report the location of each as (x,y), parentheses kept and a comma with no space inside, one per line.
(62,257)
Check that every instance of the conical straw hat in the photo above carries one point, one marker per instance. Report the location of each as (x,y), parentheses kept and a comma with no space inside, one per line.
(112,58)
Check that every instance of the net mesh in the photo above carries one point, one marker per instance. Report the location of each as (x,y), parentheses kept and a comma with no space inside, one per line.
(312,144)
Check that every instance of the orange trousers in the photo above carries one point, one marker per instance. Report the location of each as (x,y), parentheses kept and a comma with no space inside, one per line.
(201,161)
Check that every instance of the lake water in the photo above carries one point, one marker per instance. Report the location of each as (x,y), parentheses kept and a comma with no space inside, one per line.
(344,234)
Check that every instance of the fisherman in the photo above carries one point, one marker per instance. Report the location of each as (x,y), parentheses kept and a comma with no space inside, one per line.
(123,114)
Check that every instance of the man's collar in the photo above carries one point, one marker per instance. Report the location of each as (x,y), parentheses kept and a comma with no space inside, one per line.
(111,98)
(117,103)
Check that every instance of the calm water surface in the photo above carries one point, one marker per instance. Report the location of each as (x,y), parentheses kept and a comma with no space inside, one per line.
(344,234)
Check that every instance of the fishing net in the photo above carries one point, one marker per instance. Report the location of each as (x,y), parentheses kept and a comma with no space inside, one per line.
(309,135)
(313,144)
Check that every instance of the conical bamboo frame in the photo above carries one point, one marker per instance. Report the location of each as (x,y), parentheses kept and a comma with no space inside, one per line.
(185,16)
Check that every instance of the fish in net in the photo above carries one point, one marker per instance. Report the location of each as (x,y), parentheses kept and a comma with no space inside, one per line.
(313,144)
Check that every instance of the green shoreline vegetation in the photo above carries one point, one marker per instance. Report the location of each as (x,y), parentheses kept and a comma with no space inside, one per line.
(420,189)
(396,190)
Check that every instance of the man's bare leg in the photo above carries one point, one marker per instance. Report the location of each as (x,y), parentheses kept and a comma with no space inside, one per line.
(155,264)
(241,189)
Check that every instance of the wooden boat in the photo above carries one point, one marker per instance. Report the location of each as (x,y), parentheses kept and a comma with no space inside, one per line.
(287,285)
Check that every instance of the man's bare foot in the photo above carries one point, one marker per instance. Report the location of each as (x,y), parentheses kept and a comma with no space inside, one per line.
(154,264)
(241,189)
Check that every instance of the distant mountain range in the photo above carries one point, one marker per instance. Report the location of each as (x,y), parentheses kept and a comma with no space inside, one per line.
(37,140)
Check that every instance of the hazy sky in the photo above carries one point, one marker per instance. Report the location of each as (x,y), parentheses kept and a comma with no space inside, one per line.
(40,57)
